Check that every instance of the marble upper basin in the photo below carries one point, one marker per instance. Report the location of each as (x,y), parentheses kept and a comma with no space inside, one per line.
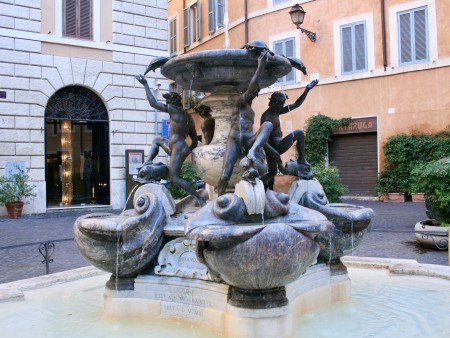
(205,71)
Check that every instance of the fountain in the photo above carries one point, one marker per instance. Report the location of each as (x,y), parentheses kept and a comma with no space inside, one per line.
(247,259)
(250,262)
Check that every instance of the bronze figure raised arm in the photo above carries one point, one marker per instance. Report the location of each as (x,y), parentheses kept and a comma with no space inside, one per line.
(276,140)
(181,126)
(241,140)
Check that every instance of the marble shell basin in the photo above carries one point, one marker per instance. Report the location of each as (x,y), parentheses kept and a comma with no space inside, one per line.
(206,70)
(351,224)
(123,244)
(258,256)
(431,235)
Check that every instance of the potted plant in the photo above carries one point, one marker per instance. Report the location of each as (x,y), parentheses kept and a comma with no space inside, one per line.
(13,190)
(434,179)
(389,186)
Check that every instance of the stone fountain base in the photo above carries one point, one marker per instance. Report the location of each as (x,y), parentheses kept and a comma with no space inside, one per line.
(206,304)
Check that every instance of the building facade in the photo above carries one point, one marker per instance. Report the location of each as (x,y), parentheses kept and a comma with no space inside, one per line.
(384,63)
(70,106)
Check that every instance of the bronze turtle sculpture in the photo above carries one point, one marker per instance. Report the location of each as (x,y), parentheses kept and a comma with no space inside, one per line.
(157,63)
(257,46)
(298,64)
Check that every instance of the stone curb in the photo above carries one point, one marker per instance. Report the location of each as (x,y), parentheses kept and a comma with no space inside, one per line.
(398,266)
(13,291)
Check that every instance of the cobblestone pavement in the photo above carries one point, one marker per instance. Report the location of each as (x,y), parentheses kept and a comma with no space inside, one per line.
(392,233)
(387,239)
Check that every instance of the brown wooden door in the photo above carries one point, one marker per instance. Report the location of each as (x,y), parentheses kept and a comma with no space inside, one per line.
(356,157)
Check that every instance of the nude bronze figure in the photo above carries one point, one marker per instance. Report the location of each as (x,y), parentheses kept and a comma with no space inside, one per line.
(241,140)
(181,126)
(207,125)
(276,140)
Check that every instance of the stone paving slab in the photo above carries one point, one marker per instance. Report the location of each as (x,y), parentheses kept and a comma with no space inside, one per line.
(392,236)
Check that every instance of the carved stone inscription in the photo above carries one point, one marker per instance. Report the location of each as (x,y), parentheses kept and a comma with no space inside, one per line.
(182,310)
(181,295)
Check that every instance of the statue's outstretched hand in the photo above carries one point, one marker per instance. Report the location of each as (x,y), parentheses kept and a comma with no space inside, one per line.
(141,79)
(312,84)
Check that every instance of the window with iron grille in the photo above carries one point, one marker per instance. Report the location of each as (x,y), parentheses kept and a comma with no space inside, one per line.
(216,13)
(77,19)
(285,47)
(173,48)
(192,23)
(354,48)
(413,36)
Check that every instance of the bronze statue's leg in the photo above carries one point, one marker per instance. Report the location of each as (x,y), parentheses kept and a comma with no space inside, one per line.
(179,153)
(230,158)
(286,143)
(154,150)
(273,161)
(259,140)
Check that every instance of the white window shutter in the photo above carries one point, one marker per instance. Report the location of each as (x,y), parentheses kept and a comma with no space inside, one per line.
(220,12)
(187,27)
(199,20)
(290,52)
(405,37)
(420,35)
(346,45)
(211,16)
(360,47)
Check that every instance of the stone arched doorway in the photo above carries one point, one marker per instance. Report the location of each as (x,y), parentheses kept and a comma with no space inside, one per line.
(76,148)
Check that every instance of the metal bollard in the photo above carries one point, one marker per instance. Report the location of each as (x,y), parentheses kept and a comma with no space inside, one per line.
(46,250)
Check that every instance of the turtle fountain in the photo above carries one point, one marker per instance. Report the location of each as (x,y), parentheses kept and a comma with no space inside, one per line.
(245,262)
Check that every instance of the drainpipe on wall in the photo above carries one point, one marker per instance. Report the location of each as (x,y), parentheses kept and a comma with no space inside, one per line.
(383,34)
(246,20)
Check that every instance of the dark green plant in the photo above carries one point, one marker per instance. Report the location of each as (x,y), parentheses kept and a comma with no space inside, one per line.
(15,188)
(405,152)
(329,178)
(433,179)
(319,129)
(189,174)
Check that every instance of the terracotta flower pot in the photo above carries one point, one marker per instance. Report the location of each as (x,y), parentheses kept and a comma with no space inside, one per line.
(418,197)
(394,197)
(14,209)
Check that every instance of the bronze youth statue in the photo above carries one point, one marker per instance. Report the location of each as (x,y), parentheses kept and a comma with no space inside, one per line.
(241,140)
(181,126)
(276,140)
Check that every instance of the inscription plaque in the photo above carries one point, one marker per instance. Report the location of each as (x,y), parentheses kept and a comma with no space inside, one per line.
(182,310)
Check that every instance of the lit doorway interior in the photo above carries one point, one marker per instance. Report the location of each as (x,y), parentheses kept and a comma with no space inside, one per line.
(76,149)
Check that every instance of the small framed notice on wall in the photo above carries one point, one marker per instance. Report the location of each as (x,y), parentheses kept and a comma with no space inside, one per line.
(133,162)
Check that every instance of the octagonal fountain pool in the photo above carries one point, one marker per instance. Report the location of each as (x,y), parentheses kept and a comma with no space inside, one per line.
(381,305)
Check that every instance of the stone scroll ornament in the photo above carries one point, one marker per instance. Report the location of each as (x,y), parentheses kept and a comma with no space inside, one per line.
(178,259)
(351,222)
(125,244)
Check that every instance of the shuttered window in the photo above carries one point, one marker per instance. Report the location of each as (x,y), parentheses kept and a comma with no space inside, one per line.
(192,23)
(77,19)
(173,48)
(353,48)
(216,14)
(413,36)
(285,47)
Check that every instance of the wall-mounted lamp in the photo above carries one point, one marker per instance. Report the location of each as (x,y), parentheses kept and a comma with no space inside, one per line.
(297,16)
